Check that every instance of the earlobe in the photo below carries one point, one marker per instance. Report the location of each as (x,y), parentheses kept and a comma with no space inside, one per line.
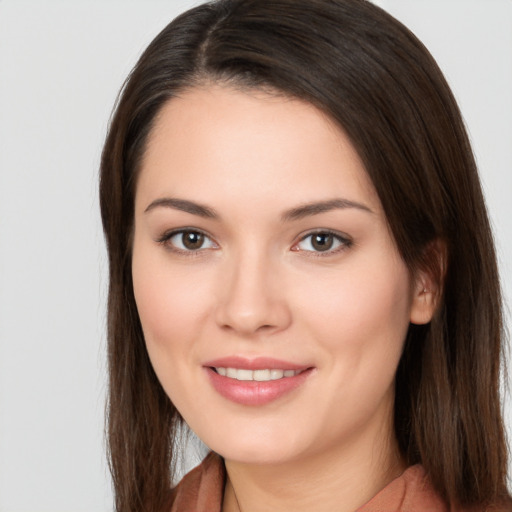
(423,305)
(428,284)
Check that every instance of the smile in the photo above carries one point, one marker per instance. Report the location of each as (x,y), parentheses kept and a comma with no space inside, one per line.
(263,375)
(256,382)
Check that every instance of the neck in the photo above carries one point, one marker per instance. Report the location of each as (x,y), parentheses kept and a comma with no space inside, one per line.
(342,479)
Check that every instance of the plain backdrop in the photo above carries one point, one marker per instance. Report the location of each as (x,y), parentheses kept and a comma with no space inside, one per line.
(61,65)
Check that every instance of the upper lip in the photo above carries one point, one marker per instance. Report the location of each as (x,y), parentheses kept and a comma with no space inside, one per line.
(257,363)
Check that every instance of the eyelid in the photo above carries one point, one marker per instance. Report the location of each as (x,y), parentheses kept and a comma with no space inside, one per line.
(345,242)
(165,238)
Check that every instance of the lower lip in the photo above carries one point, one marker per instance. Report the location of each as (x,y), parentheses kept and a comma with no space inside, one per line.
(250,392)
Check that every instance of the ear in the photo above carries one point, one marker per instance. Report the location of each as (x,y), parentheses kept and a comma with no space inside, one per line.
(427,286)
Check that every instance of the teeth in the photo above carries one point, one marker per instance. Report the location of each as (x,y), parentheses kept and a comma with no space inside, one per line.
(261,375)
(257,375)
(276,374)
(231,373)
(244,374)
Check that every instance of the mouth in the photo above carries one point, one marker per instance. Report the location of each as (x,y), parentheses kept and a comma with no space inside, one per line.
(256,382)
(263,375)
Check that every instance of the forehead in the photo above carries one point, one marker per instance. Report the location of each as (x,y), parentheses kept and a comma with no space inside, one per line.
(250,144)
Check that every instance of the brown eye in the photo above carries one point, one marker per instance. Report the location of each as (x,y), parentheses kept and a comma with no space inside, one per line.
(192,240)
(188,240)
(322,241)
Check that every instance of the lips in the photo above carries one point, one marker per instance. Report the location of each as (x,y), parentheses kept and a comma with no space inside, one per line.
(255,381)
(258,375)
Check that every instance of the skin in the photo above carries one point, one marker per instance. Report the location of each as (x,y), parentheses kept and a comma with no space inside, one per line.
(258,287)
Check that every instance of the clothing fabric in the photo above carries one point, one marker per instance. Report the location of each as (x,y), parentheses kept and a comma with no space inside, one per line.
(201,490)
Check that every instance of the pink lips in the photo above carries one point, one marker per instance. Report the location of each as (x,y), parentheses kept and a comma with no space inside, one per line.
(255,392)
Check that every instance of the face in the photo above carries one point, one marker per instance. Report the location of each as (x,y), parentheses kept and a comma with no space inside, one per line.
(273,300)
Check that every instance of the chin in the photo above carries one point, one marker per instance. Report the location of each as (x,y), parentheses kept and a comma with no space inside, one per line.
(256,455)
(256,447)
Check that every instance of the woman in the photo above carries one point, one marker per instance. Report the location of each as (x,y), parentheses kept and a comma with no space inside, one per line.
(301,269)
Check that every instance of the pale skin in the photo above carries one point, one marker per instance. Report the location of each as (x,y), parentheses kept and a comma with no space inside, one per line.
(293,259)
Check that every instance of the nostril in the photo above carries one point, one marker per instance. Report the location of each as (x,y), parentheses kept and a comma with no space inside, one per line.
(251,312)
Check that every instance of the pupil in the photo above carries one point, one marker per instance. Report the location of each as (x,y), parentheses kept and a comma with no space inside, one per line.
(322,241)
(192,240)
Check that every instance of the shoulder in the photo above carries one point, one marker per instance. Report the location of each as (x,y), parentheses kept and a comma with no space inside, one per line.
(413,492)
(201,489)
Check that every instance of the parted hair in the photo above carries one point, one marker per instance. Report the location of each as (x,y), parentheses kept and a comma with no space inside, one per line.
(374,78)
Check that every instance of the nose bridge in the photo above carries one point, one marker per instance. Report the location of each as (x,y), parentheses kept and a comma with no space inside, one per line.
(252,300)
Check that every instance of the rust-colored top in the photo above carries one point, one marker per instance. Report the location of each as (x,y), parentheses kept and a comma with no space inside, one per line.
(202,490)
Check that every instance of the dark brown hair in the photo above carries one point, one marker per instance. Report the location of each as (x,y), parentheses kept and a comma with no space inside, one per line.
(378,82)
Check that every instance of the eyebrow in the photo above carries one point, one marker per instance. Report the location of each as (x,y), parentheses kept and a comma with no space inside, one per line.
(322,207)
(297,213)
(184,206)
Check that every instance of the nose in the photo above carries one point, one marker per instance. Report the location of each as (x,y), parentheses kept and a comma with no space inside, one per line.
(253,297)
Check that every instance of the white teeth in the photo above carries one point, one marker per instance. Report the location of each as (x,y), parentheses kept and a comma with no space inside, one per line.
(244,375)
(261,375)
(232,373)
(276,374)
(257,375)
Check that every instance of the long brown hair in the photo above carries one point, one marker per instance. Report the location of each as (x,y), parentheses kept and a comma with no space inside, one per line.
(373,77)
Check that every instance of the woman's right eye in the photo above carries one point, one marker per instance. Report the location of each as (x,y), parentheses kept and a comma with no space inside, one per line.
(187,240)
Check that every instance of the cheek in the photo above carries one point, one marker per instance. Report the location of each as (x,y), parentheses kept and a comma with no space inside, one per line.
(359,319)
(363,312)
(172,306)
(170,302)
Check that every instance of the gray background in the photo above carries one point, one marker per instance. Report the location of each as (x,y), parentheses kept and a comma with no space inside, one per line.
(61,65)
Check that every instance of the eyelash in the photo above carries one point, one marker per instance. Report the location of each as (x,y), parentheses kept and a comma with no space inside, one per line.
(165,240)
(343,241)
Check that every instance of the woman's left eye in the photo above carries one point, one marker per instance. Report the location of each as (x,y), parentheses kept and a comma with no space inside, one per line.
(322,242)
(188,240)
